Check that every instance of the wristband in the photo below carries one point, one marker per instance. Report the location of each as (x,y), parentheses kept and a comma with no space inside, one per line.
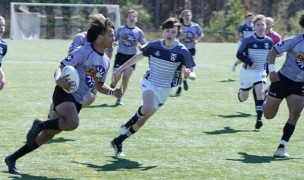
(271,68)
(111,92)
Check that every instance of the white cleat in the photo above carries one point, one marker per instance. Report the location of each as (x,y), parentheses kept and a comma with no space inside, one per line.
(280,153)
(120,154)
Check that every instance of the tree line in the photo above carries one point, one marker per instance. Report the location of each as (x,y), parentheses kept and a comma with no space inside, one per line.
(217,17)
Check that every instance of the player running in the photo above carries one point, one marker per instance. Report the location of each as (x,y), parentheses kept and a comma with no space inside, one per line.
(287,83)
(166,57)
(128,37)
(253,52)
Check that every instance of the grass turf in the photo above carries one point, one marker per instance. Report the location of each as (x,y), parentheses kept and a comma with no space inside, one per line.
(203,134)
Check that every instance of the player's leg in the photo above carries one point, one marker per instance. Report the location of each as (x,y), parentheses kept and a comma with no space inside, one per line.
(67,113)
(181,80)
(147,110)
(243,94)
(258,99)
(90,98)
(124,84)
(295,105)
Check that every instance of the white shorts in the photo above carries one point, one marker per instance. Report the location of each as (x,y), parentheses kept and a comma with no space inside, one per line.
(161,93)
(249,76)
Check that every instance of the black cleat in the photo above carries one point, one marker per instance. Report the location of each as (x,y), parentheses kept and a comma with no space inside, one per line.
(112,85)
(33,132)
(178,92)
(118,149)
(258,124)
(186,87)
(11,165)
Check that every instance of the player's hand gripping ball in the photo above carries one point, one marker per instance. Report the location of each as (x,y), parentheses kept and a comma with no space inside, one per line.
(73,76)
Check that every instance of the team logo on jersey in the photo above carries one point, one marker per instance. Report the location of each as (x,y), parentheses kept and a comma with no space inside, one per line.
(94,74)
(173,56)
(69,58)
(266,45)
(255,46)
(128,40)
(189,38)
(157,53)
(280,43)
(299,60)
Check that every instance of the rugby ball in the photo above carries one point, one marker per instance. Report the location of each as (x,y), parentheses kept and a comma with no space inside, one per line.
(73,76)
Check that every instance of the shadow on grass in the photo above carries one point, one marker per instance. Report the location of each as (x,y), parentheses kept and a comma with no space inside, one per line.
(59,140)
(238,115)
(248,158)
(117,164)
(102,105)
(227,130)
(227,80)
(174,95)
(31,177)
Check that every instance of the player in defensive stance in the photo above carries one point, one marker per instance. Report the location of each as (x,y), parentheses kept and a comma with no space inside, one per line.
(253,52)
(287,83)
(191,34)
(3,50)
(92,67)
(128,37)
(166,57)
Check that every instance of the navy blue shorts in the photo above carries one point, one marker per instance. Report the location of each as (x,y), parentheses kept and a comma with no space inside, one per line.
(285,87)
(120,59)
(60,96)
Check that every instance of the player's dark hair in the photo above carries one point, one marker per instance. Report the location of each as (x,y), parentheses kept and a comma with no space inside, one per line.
(301,21)
(249,14)
(98,27)
(171,23)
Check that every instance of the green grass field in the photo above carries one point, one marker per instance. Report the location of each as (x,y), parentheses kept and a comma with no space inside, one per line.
(204,134)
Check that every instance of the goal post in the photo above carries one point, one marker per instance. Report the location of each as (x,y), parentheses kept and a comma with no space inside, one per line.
(56,20)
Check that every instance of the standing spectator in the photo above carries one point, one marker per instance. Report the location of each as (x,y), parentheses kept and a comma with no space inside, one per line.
(191,34)
(288,84)
(244,30)
(253,52)
(128,37)
(92,67)
(166,57)
(3,50)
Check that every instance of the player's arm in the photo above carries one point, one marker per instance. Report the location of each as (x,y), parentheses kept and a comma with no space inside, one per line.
(105,89)
(190,73)
(2,78)
(61,81)
(273,76)
(127,64)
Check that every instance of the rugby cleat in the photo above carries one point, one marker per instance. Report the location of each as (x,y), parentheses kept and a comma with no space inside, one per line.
(280,152)
(117,149)
(11,165)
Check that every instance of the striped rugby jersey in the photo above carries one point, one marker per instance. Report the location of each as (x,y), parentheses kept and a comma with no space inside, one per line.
(165,63)
(256,49)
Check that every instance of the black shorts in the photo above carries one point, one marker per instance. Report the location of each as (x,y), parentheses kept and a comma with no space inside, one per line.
(192,51)
(120,59)
(60,96)
(285,87)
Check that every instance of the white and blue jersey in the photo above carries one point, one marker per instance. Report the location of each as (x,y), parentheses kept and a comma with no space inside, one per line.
(165,63)
(191,31)
(254,49)
(91,66)
(246,30)
(3,49)
(128,38)
(293,67)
